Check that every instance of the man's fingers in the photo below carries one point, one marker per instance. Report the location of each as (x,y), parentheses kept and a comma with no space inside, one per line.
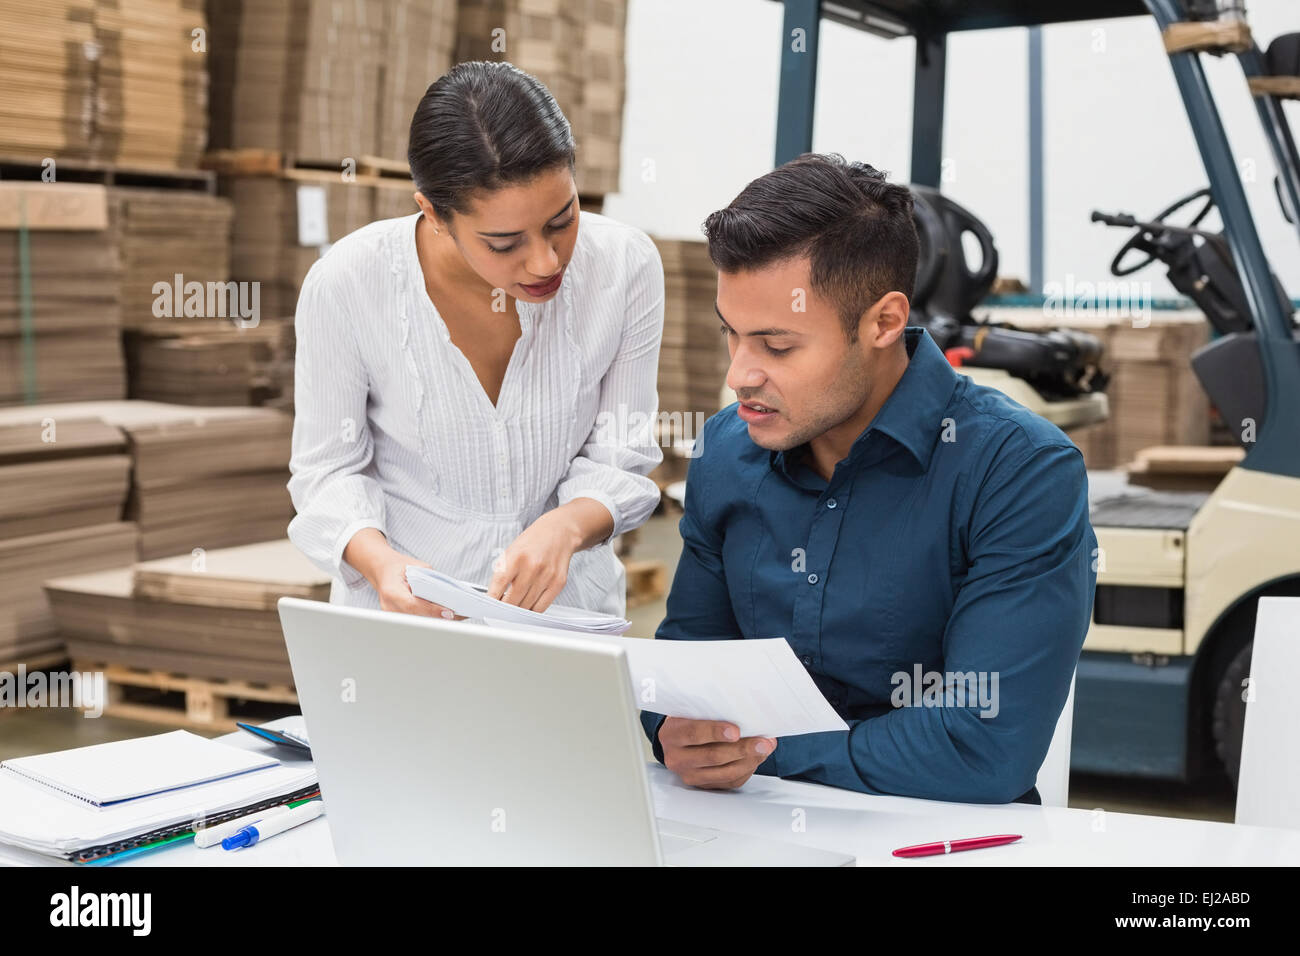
(723,777)
(708,755)
(684,732)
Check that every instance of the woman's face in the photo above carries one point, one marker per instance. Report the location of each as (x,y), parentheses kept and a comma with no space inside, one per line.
(520,238)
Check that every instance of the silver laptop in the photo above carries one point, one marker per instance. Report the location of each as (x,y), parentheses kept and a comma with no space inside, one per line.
(441,742)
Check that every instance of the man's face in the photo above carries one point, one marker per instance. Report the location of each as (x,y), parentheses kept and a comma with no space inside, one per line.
(795,372)
(520,238)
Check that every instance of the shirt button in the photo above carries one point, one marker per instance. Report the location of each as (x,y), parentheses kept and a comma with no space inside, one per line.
(812,579)
(807,662)
(831,503)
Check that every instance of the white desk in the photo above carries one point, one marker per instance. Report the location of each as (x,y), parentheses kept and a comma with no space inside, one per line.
(869,827)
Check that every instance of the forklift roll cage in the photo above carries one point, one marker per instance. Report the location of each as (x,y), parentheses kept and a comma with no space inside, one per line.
(1277,448)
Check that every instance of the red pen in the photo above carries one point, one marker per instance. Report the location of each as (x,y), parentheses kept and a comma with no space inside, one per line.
(952,846)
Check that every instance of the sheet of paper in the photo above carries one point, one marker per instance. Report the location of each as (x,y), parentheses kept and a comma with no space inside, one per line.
(32,818)
(758,685)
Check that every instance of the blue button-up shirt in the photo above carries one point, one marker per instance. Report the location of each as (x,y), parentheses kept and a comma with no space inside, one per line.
(953,541)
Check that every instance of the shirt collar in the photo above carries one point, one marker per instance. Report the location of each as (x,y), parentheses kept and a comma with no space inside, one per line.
(912,416)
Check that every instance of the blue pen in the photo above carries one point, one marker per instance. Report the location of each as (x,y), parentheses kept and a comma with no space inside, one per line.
(270,826)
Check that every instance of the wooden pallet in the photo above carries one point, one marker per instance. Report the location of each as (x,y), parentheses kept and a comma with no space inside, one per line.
(37,662)
(646,581)
(26,169)
(194,702)
(50,660)
(271,162)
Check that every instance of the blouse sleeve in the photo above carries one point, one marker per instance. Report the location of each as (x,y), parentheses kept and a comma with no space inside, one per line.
(332,443)
(612,465)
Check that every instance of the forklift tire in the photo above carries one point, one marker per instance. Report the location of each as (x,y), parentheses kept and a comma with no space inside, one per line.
(1230,712)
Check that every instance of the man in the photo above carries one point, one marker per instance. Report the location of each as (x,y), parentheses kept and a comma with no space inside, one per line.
(896,523)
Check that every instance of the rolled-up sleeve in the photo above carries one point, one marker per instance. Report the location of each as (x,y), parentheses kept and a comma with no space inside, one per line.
(622,449)
(332,443)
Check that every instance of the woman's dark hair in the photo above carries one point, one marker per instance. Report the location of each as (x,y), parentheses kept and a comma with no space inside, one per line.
(483,125)
(855,227)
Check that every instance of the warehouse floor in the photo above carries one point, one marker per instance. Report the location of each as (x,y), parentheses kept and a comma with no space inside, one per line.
(26,732)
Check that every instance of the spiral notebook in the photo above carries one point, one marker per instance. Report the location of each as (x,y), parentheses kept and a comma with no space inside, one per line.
(104,775)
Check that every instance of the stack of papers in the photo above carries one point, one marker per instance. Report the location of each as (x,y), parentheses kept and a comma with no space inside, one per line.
(472,601)
(38,818)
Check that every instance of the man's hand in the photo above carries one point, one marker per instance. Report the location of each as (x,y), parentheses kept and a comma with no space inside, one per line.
(711,753)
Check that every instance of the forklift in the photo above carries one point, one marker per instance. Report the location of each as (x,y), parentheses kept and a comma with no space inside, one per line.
(1163,679)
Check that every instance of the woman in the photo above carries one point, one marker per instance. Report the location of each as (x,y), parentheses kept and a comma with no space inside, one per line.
(465,375)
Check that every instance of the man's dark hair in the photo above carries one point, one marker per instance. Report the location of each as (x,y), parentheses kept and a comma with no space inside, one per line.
(855,228)
(483,125)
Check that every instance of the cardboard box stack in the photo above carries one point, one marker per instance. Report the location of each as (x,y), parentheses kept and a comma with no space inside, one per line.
(393,198)
(192,336)
(268,246)
(211,616)
(693,357)
(65,481)
(201,478)
(59,295)
(599,122)
(152,82)
(219,365)
(419,38)
(577,50)
(47,78)
(301,77)
(163,234)
(117,81)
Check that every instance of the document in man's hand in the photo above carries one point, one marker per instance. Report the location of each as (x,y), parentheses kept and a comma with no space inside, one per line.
(758,685)
(472,601)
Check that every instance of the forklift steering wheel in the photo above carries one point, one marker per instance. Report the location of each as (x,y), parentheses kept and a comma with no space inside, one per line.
(1145,241)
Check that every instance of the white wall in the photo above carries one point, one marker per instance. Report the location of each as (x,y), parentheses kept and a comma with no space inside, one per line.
(700,123)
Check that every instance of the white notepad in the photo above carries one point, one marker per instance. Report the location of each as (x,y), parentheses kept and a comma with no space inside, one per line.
(109,774)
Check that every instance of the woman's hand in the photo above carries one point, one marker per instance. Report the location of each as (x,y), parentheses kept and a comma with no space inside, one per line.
(533,570)
(385,569)
(395,593)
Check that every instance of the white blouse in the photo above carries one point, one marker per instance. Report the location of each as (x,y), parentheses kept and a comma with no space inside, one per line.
(393,431)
